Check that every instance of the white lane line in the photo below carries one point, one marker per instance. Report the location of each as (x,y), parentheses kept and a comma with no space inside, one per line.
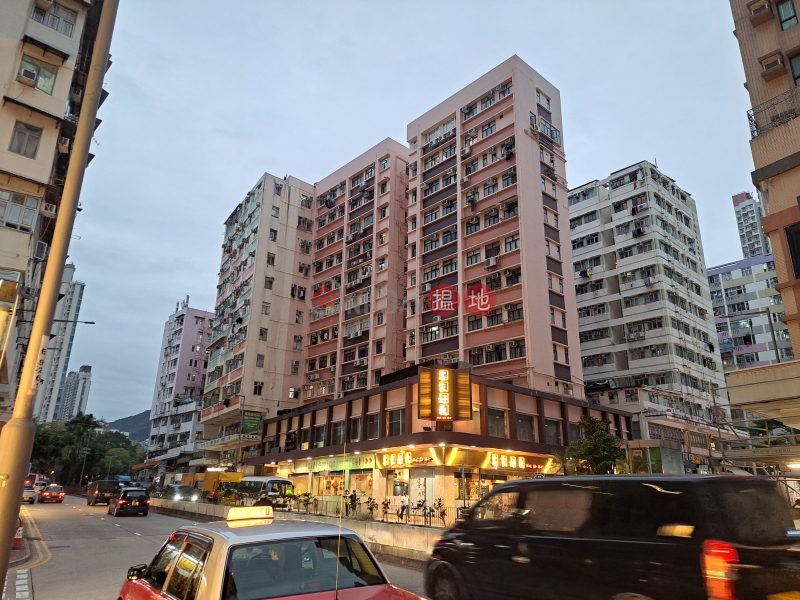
(116,524)
(139,534)
(102,518)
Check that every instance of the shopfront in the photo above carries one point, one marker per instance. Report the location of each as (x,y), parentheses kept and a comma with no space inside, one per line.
(331,476)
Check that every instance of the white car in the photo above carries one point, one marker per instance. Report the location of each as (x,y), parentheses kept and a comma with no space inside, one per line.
(253,556)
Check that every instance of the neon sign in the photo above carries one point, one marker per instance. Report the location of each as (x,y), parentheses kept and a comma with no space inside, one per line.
(402,460)
(443,406)
(511,461)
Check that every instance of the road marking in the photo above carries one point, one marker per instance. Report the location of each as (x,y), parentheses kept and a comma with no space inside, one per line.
(102,518)
(43,554)
(116,525)
(139,534)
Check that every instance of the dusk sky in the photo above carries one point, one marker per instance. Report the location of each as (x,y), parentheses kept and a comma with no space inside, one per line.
(207,96)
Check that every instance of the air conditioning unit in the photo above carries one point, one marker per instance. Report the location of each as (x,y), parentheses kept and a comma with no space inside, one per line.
(44,4)
(491,262)
(433,237)
(512,343)
(41,250)
(340,395)
(449,171)
(490,150)
(491,180)
(492,212)
(350,237)
(512,170)
(465,109)
(308,387)
(464,180)
(490,93)
(48,210)
(27,77)
(466,151)
(436,318)
(412,166)
(507,273)
(489,348)
(331,369)
(472,131)
(474,351)
(426,287)
(503,206)
(508,141)
(509,307)
(469,202)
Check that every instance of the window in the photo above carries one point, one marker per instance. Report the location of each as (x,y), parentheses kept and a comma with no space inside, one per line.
(473,257)
(512,242)
(509,179)
(552,432)
(498,353)
(45,73)
(489,129)
(18,211)
(494,318)
(276,211)
(471,111)
(786,14)
(550,131)
(25,140)
(496,422)
(431,243)
(265,307)
(257,387)
(449,266)
(473,226)
(259,360)
(384,187)
(298,342)
(384,163)
(490,188)
(491,218)
(58,18)
(513,276)
(555,351)
(449,151)
(396,422)
(487,101)
(262,334)
(373,426)
(157,574)
(383,212)
(524,427)
(793,241)
(492,249)
(273,235)
(449,236)
(432,215)
(794,62)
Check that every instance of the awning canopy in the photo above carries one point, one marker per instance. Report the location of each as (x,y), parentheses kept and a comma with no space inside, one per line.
(147,465)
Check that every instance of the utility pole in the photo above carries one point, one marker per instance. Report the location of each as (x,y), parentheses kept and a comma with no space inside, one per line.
(16,438)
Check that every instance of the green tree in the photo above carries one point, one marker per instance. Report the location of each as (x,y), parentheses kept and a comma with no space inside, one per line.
(598,450)
(563,463)
(49,444)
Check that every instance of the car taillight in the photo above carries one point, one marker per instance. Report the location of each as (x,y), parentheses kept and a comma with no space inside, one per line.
(719,563)
(147,501)
(46,494)
(96,492)
(122,502)
(61,493)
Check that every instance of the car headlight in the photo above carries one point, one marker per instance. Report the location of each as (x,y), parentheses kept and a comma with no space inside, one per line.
(176,497)
(194,498)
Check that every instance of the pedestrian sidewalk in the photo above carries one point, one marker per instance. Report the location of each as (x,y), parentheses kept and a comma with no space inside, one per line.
(19,555)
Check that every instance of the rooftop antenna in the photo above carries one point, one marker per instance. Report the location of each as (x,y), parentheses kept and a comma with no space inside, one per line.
(656,163)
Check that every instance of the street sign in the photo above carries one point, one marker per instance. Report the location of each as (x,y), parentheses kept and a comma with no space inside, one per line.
(251,421)
(538,475)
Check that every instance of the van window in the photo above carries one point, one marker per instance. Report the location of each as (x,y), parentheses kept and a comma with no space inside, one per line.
(281,488)
(563,509)
(161,565)
(186,573)
(498,506)
(749,513)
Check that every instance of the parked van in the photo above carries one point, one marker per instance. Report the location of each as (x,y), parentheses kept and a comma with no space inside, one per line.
(272,487)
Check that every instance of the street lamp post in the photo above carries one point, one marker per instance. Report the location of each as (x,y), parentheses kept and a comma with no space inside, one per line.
(16,438)
(85,452)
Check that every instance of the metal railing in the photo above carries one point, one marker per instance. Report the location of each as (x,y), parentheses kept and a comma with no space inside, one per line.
(775,112)
(422,516)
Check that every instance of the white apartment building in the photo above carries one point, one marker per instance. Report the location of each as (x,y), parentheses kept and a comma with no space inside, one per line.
(56,361)
(648,339)
(177,397)
(45,52)
(749,213)
(747,313)
(76,393)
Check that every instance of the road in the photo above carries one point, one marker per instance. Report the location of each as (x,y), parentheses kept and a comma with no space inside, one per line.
(85,553)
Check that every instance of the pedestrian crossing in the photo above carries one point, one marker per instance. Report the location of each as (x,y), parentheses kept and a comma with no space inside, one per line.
(18,586)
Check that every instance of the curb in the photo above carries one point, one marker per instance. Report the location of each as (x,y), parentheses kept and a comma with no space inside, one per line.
(18,561)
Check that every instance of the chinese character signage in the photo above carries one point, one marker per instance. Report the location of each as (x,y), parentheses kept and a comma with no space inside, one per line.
(445,394)
(511,461)
(402,460)
(338,463)
(251,421)
(443,300)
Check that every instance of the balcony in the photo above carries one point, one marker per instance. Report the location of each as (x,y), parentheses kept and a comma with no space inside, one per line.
(775,112)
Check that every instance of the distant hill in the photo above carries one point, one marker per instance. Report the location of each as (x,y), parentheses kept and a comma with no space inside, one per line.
(137,426)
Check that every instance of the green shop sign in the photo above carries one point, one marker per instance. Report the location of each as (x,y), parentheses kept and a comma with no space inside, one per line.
(251,421)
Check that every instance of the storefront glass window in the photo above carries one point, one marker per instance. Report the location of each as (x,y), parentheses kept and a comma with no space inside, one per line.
(496,425)
(373,426)
(333,484)
(397,422)
(361,482)
(525,428)
(498,506)
(552,432)
(306,439)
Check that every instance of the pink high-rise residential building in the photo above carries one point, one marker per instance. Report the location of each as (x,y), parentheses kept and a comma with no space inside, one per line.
(175,413)
(488,216)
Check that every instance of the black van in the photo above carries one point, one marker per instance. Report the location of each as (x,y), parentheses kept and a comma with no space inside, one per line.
(614,537)
(101,491)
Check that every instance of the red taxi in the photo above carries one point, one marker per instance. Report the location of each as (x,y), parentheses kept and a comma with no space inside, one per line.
(52,493)
(252,556)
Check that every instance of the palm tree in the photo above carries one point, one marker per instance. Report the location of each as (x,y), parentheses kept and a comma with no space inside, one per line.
(81,427)
(563,463)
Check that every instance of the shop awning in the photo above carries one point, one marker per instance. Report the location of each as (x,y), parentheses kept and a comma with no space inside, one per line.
(147,465)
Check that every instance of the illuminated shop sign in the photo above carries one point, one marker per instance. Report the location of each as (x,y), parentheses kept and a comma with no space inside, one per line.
(401,460)
(445,394)
(511,461)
